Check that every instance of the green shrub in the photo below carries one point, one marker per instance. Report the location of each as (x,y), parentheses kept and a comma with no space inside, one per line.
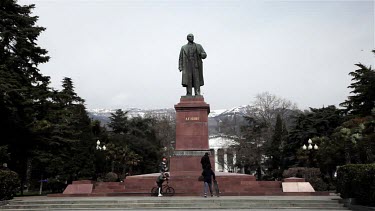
(9,183)
(311,175)
(306,173)
(318,184)
(56,185)
(357,181)
(111,177)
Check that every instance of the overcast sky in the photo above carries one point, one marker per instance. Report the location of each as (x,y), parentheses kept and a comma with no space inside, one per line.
(124,54)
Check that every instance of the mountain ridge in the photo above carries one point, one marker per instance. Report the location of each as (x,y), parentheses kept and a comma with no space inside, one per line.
(134,112)
(217,118)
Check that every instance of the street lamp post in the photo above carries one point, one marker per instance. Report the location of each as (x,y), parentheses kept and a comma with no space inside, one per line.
(99,147)
(310,149)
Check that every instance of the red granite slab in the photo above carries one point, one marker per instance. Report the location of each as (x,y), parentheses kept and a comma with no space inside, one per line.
(78,189)
(294,179)
(83,182)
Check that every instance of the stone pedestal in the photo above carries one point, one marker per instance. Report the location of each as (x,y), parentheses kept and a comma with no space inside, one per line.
(192,124)
(191,135)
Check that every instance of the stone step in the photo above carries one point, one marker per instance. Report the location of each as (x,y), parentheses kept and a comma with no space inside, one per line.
(163,200)
(109,187)
(185,209)
(174,204)
(148,203)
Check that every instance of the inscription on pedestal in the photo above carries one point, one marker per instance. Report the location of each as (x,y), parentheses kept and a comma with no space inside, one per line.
(190,153)
(194,118)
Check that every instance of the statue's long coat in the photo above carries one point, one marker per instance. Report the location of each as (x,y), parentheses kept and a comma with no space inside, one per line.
(183,64)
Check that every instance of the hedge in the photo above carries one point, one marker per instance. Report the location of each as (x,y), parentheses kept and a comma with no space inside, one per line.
(357,181)
(9,184)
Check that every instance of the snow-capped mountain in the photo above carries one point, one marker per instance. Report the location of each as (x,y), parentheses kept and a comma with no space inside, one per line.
(132,112)
(216,118)
(239,110)
(103,114)
(135,112)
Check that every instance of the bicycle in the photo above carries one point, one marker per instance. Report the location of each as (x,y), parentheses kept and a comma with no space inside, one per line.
(166,190)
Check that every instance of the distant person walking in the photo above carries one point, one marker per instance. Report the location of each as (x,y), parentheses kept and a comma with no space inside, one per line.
(163,166)
(208,175)
(205,161)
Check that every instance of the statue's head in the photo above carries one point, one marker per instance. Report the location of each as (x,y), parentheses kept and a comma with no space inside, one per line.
(190,37)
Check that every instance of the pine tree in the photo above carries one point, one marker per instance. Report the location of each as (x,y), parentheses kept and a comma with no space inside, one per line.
(24,90)
(68,146)
(74,128)
(119,121)
(363,101)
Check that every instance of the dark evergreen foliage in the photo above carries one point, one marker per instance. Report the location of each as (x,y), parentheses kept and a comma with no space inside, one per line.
(119,122)
(317,122)
(363,101)
(275,149)
(24,91)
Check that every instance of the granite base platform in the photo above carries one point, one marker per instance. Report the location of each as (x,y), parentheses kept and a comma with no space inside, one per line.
(187,184)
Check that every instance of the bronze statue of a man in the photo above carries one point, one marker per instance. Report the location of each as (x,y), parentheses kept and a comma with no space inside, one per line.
(191,66)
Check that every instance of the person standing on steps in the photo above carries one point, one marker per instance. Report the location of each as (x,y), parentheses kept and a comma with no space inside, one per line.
(208,175)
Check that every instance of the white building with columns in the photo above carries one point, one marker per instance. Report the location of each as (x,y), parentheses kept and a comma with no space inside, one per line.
(225,154)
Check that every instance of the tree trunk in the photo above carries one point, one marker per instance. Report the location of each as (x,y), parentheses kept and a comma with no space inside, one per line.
(259,172)
(370,156)
(124,169)
(347,153)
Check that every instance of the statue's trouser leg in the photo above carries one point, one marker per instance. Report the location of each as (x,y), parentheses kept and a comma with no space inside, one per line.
(196,82)
(189,90)
(197,90)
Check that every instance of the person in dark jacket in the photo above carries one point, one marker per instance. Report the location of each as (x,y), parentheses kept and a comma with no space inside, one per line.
(208,174)
(163,166)
(205,161)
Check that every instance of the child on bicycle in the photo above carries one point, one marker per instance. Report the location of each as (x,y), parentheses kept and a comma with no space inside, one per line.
(163,177)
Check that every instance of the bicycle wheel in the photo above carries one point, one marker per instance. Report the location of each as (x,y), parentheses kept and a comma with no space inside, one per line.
(169,191)
(154,191)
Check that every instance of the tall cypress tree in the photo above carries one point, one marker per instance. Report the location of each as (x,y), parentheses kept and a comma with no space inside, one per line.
(274,148)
